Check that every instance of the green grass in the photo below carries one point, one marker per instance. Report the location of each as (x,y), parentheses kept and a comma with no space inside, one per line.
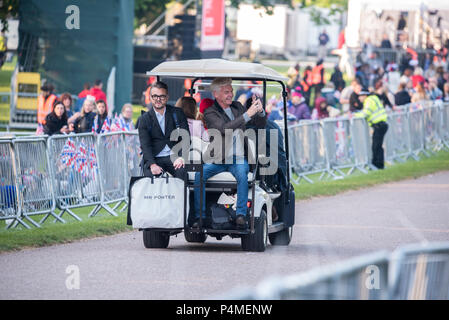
(56,233)
(409,170)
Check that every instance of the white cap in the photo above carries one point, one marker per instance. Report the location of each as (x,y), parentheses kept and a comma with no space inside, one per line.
(90,98)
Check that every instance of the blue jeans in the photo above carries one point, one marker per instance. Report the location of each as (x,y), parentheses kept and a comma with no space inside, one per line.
(239,171)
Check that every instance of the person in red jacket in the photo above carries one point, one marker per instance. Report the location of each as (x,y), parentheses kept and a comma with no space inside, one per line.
(85,92)
(417,77)
(97,91)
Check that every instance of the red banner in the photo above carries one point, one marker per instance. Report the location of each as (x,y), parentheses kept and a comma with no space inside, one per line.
(213,25)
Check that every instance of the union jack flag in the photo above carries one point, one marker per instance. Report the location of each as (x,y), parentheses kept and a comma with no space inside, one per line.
(68,153)
(120,124)
(106,126)
(92,158)
(116,125)
(81,159)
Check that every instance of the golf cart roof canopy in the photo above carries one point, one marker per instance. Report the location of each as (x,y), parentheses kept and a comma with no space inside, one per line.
(212,68)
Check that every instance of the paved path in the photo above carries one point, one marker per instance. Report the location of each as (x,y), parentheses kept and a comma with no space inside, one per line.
(327,230)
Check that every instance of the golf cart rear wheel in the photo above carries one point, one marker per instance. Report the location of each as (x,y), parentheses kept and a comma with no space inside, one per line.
(195,237)
(155,239)
(257,241)
(281,238)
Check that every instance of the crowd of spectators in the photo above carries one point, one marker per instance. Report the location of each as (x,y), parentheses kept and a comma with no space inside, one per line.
(89,113)
(312,94)
(412,81)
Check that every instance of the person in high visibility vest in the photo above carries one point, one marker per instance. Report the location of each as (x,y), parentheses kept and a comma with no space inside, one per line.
(307,78)
(318,73)
(375,114)
(2,49)
(45,102)
(318,77)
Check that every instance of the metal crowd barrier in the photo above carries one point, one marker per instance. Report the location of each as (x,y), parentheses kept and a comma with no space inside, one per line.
(417,137)
(361,144)
(307,150)
(133,159)
(76,178)
(112,164)
(40,174)
(417,271)
(34,179)
(14,134)
(432,117)
(119,159)
(445,125)
(9,197)
(338,142)
(360,278)
(397,138)
(420,272)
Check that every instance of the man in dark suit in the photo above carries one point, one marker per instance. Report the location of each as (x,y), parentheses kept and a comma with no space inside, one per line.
(226,114)
(155,128)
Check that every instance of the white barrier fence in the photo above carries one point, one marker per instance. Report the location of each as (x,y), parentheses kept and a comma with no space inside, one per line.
(412,272)
(40,174)
(329,146)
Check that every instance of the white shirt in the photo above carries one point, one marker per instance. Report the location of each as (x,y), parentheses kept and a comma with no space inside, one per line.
(161,119)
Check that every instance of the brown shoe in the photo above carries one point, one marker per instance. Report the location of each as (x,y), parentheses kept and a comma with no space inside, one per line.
(274,214)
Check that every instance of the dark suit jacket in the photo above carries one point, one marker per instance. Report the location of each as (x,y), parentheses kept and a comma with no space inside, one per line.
(152,140)
(217,119)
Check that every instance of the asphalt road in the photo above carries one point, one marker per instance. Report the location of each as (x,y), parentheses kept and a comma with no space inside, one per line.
(327,230)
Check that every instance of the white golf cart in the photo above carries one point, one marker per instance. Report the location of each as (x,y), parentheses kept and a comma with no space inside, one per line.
(262,197)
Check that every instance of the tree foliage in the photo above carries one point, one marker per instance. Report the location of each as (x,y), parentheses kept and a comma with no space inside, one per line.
(8,9)
(336,7)
(145,11)
(148,10)
(268,5)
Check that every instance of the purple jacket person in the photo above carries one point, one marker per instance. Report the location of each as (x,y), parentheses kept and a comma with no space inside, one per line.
(299,108)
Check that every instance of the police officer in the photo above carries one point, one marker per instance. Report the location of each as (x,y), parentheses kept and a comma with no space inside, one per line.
(375,114)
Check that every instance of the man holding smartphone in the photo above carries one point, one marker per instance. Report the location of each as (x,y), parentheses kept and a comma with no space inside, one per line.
(223,115)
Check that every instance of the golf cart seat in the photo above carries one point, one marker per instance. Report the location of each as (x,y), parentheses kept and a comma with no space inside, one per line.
(221,177)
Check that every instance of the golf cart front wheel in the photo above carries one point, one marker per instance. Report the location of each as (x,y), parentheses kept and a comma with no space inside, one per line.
(155,239)
(257,241)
